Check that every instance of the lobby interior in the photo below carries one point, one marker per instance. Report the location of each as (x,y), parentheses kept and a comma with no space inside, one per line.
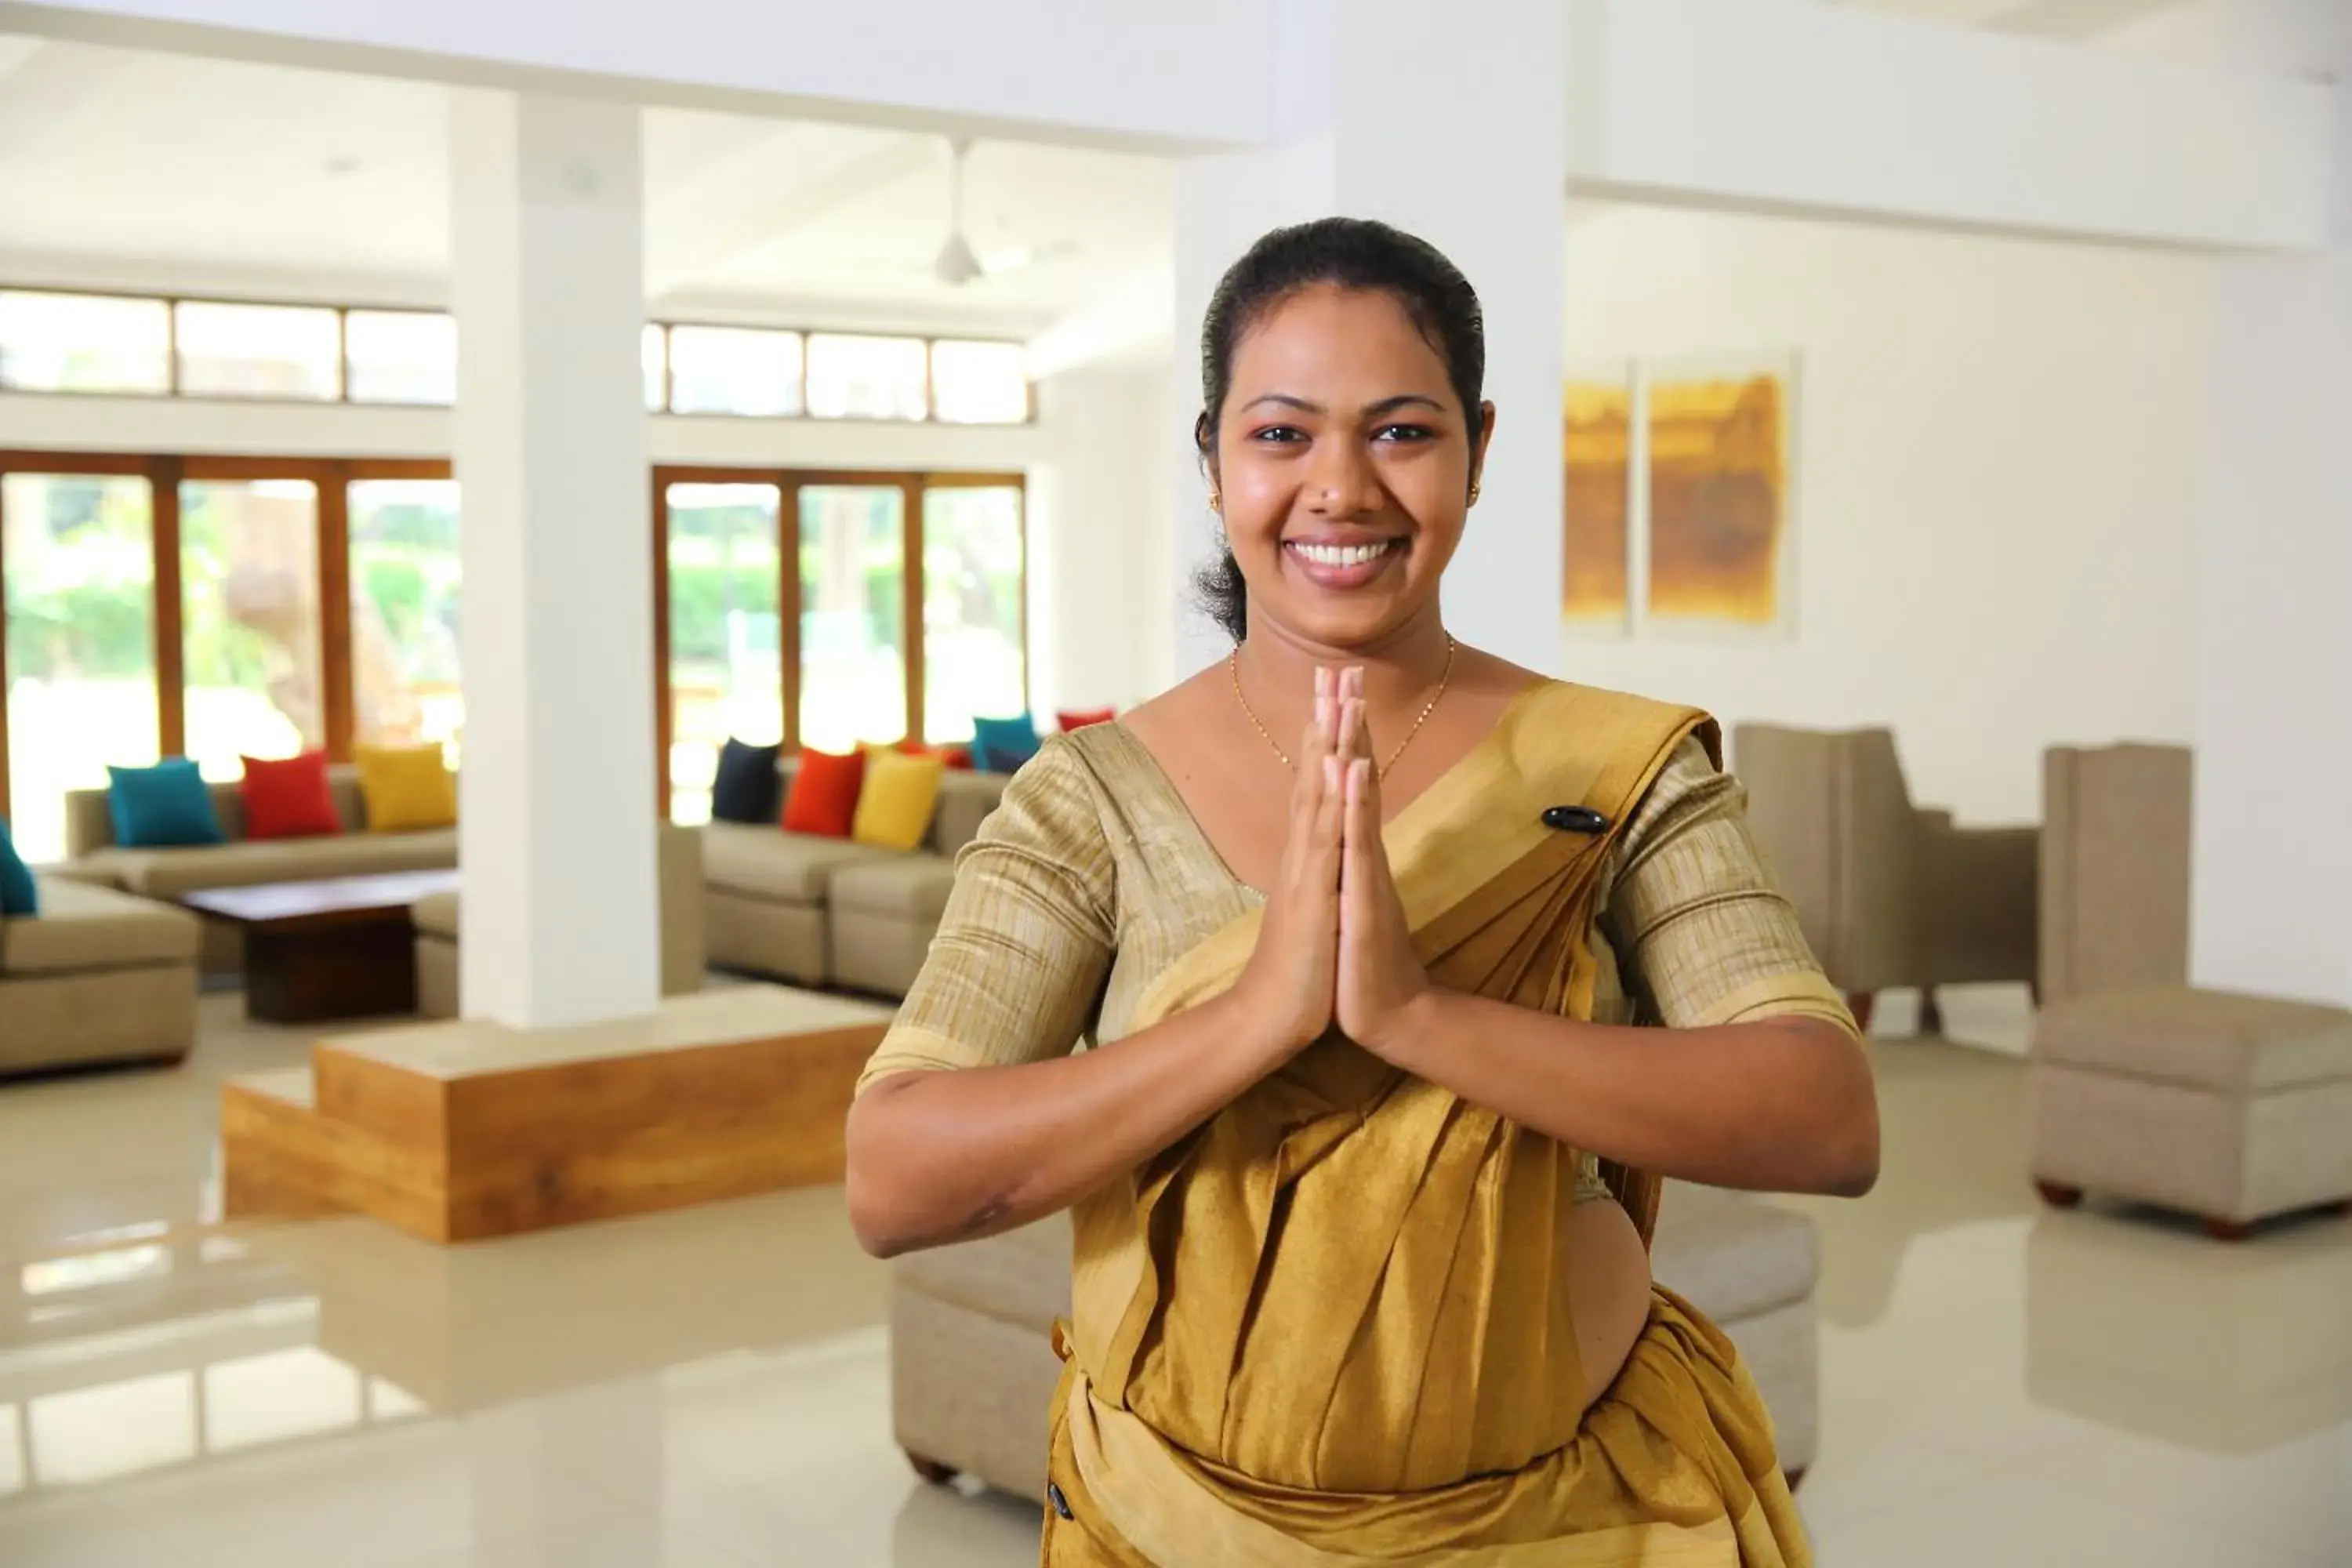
(2054,296)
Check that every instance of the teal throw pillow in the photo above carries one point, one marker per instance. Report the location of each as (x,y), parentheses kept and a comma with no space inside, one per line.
(19,896)
(1001,746)
(167,806)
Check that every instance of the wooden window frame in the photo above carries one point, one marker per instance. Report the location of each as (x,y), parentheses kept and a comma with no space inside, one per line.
(789,483)
(165,472)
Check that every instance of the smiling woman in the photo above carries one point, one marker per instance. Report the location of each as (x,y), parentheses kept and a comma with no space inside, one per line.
(1407,974)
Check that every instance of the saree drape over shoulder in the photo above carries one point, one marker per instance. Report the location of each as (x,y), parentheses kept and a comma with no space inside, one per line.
(1332,1326)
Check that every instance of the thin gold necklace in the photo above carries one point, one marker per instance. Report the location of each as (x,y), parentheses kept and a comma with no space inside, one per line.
(1233,664)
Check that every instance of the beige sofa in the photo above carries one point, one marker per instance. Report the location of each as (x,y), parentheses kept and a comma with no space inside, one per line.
(1889,895)
(679,870)
(2116,838)
(829,912)
(97,976)
(972,1367)
(92,855)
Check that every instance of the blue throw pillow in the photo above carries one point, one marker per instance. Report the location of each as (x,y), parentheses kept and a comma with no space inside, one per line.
(19,896)
(1001,746)
(747,786)
(163,807)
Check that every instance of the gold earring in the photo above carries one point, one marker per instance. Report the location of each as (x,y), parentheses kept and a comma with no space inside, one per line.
(1216,500)
(1473,492)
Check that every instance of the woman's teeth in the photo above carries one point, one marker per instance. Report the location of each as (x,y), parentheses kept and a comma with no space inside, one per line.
(1343,554)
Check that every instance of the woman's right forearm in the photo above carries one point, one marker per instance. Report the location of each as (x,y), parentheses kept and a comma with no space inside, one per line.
(939,1157)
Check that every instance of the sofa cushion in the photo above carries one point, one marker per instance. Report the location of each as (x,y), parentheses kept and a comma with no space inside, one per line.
(821,798)
(84,927)
(288,797)
(768,863)
(168,873)
(166,804)
(1732,1255)
(1021,1278)
(898,800)
(2208,1040)
(912,886)
(407,789)
(745,786)
(19,895)
(435,914)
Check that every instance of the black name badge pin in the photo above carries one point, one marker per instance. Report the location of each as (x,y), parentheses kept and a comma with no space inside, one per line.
(1575,819)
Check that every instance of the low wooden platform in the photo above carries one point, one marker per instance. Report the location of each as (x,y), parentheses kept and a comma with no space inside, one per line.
(454,1132)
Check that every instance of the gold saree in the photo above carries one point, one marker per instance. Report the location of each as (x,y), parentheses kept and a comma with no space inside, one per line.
(1332,1326)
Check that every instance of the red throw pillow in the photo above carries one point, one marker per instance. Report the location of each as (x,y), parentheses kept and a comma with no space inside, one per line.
(289,798)
(1079,721)
(823,798)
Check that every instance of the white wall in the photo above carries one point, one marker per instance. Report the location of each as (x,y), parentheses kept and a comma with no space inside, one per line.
(1780,106)
(1996,482)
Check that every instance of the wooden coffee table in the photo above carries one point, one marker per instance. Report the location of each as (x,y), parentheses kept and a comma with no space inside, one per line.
(339,948)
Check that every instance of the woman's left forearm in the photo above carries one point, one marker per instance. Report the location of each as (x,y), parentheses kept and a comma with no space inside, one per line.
(1780,1105)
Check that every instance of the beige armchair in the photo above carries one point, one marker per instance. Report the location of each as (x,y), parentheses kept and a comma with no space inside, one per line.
(2114,868)
(1889,895)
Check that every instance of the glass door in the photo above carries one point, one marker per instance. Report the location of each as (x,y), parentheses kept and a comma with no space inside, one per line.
(973,618)
(406,573)
(726,660)
(249,585)
(78,554)
(853,614)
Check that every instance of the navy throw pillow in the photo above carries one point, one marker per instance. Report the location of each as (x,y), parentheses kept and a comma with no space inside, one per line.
(747,787)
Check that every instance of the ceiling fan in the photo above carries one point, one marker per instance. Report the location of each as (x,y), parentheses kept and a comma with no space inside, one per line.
(958,264)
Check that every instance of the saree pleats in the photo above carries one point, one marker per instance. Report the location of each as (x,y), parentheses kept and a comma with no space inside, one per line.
(1334,1326)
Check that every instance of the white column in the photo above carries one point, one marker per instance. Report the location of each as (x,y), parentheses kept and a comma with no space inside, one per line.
(1457,131)
(557,819)
(2273,860)
(1099,541)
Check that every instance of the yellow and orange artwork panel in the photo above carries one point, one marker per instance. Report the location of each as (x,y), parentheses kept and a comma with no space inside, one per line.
(1719,497)
(1600,446)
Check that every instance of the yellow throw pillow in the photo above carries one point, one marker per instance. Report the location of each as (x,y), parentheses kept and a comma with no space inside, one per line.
(896,803)
(406,788)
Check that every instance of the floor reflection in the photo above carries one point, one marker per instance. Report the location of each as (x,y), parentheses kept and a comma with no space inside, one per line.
(708,1388)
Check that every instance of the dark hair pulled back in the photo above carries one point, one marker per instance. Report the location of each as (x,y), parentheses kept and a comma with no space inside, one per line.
(1351,253)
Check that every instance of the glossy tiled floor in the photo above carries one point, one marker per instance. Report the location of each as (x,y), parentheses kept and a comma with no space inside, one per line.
(707,1389)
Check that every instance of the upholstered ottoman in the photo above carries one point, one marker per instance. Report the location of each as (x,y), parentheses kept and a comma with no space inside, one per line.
(972,1367)
(2233,1108)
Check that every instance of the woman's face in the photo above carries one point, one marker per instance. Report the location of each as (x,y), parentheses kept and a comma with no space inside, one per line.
(1345,460)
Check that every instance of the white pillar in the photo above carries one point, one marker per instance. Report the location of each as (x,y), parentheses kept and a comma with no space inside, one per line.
(2273,858)
(556,829)
(1454,128)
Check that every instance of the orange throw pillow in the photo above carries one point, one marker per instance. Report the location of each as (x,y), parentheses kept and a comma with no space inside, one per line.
(1079,721)
(823,798)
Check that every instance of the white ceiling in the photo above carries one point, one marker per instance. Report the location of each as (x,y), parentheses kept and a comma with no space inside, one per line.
(132,170)
(118,168)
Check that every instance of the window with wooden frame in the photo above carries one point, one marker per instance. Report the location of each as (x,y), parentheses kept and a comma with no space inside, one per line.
(91,342)
(216,607)
(823,608)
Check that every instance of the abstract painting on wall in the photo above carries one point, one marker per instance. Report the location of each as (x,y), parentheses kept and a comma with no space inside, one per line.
(1679,499)
(1600,433)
